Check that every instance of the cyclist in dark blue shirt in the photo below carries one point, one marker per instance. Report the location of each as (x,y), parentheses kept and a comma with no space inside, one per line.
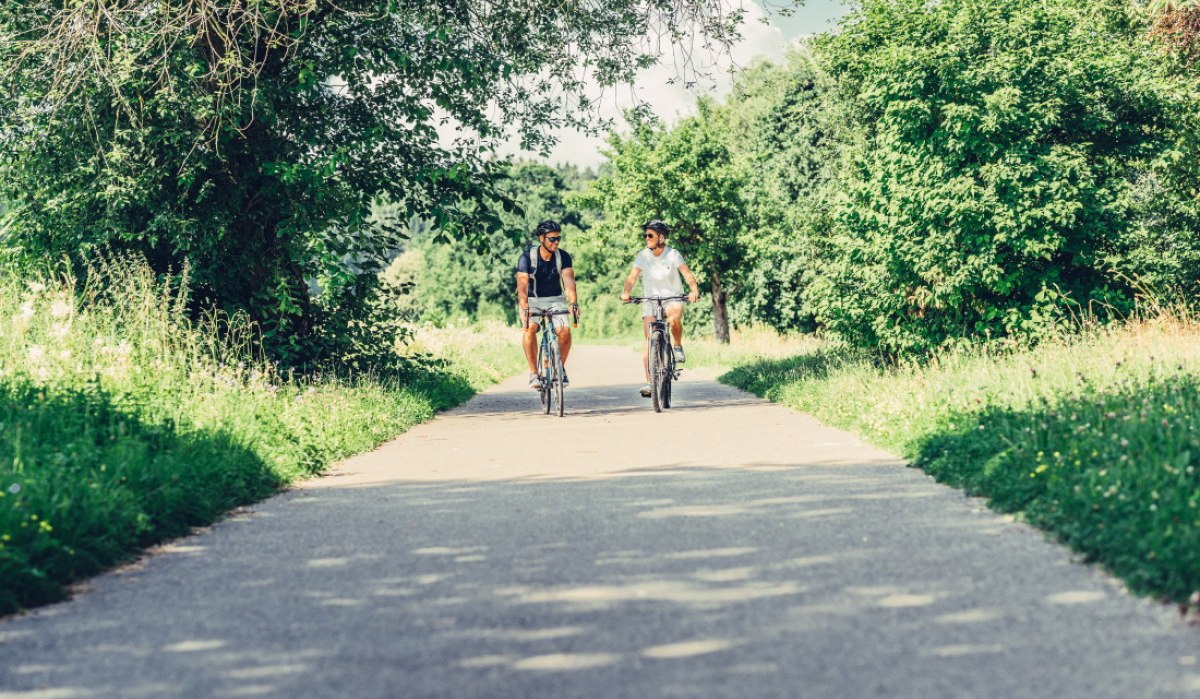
(546,282)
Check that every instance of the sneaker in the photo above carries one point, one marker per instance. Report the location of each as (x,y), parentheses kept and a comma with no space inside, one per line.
(678,350)
(645,390)
(535,381)
(566,381)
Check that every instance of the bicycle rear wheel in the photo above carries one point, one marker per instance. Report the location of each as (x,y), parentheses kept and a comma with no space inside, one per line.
(557,368)
(657,371)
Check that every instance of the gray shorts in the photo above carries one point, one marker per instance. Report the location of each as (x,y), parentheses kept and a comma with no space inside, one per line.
(648,308)
(548,303)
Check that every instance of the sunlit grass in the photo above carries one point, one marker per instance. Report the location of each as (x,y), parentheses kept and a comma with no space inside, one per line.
(1094,436)
(749,343)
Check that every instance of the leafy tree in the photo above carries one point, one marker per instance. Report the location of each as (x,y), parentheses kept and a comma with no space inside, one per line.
(443,280)
(253,137)
(783,128)
(685,176)
(994,184)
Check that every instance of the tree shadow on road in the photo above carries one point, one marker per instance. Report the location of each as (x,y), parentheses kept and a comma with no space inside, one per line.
(769,580)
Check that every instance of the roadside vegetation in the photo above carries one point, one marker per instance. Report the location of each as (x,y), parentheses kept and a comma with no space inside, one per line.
(1093,436)
(123,422)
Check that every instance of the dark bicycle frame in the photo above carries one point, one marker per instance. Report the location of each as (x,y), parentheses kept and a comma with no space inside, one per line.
(549,361)
(659,354)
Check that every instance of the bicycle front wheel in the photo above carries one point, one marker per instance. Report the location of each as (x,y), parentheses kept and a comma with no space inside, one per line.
(657,371)
(557,367)
(668,376)
(544,373)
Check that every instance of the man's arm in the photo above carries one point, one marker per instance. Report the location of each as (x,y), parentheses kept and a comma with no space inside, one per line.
(691,282)
(523,296)
(568,279)
(629,282)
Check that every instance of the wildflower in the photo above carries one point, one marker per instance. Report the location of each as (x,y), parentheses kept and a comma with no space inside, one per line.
(14,488)
(24,315)
(36,287)
(37,353)
(60,308)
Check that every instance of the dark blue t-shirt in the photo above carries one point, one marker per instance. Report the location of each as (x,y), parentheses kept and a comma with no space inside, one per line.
(548,282)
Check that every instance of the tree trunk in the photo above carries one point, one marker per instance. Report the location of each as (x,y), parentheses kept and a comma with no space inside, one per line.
(719,313)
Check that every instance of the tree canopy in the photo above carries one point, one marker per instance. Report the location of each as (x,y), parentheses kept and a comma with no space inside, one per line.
(253,138)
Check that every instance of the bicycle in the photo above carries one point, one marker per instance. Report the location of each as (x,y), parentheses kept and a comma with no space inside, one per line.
(549,362)
(662,360)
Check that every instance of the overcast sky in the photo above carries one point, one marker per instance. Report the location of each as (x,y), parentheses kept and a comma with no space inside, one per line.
(764,34)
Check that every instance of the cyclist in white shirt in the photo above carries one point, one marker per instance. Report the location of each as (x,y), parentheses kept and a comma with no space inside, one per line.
(660,267)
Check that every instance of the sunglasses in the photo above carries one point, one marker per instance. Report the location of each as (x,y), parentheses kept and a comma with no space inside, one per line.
(648,236)
(553,238)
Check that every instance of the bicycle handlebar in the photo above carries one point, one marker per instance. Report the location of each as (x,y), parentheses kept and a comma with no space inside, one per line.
(641,299)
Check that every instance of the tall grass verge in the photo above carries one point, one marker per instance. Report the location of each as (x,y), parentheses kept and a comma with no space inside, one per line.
(123,423)
(1094,437)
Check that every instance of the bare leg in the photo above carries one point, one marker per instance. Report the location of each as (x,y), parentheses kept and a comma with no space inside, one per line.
(529,342)
(675,317)
(564,342)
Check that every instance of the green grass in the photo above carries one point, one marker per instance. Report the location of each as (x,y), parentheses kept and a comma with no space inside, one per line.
(121,423)
(1095,438)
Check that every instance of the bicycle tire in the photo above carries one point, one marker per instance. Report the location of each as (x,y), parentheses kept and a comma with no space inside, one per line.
(656,371)
(668,376)
(556,366)
(544,391)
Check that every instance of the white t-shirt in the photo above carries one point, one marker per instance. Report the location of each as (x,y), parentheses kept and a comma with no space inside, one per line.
(660,275)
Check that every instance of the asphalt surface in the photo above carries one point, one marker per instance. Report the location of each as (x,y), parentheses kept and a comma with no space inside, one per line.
(725,548)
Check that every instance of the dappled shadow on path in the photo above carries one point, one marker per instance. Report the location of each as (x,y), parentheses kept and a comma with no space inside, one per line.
(600,401)
(770,580)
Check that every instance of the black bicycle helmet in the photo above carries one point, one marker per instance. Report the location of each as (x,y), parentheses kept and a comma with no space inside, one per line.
(658,227)
(547,226)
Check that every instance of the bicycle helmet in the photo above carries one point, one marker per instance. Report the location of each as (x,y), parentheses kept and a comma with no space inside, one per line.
(658,227)
(547,226)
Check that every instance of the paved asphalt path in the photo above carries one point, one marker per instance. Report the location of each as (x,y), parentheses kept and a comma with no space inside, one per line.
(726,548)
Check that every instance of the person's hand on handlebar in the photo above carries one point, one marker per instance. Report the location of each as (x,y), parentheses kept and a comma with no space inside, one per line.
(624,297)
(693,296)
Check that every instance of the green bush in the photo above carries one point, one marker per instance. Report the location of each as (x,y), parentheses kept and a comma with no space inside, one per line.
(994,187)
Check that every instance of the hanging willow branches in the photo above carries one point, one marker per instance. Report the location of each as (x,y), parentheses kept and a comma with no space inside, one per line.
(109,41)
